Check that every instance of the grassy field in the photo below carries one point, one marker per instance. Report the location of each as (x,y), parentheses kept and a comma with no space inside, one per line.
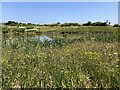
(77,57)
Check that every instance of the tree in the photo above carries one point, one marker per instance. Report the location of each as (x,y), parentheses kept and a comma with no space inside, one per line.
(87,24)
(116,25)
(70,24)
(58,23)
(12,23)
(99,24)
(109,23)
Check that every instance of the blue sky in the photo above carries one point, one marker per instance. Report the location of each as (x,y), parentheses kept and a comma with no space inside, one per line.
(52,12)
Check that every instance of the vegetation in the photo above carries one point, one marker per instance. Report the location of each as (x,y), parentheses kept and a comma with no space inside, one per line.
(89,23)
(116,25)
(18,30)
(76,57)
(12,23)
(5,30)
(95,24)
(29,27)
(70,24)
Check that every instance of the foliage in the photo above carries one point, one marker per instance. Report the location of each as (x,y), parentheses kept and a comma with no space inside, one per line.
(18,30)
(116,25)
(5,30)
(95,24)
(80,60)
(87,24)
(70,24)
(99,24)
(12,23)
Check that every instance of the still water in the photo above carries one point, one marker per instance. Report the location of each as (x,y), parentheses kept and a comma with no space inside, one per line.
(43,38)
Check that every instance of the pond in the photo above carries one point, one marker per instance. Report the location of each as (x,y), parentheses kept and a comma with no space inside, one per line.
(15,39)
(58,38)
(43,38)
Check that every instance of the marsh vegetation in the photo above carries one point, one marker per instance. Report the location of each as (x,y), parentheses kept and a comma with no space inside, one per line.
(61,57)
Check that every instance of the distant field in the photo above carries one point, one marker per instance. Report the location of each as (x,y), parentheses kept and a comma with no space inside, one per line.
(83,57)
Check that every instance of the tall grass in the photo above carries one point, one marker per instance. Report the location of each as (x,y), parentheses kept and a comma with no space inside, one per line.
(87,61)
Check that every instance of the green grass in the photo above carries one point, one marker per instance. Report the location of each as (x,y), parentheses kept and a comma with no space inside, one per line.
(71,60)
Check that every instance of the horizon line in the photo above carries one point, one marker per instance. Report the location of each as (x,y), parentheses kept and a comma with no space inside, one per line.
(59,22)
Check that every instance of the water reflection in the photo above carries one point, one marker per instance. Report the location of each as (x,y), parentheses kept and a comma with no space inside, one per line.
(43,38)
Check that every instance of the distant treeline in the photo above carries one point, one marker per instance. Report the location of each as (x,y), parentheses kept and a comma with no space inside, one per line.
(89,23)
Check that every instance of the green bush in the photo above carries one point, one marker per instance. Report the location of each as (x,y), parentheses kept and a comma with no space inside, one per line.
(5,30)
(116,25)
(70,24)
(18,30)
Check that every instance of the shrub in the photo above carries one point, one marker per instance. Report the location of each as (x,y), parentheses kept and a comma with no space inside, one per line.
(116,25)
(5,30)
(18,30)
(70,24)
(12,23)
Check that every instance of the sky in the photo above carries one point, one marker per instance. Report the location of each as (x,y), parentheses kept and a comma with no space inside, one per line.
(52,12)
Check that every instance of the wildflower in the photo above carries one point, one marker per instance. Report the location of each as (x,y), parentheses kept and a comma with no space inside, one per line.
(16,85)
(90,53)
(115,53)
(92,38)
(110,54)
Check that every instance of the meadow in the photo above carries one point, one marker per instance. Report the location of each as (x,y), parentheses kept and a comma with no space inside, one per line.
(76,57)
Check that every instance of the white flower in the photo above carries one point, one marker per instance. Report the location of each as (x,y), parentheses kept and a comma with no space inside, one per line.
(116,53)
